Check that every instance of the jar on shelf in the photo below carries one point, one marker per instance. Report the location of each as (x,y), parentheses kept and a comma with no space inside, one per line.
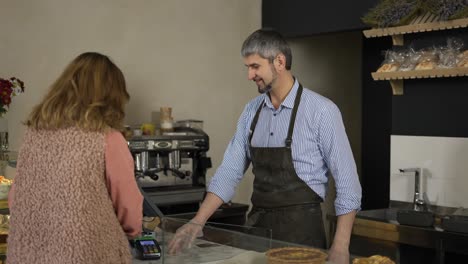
(166,120)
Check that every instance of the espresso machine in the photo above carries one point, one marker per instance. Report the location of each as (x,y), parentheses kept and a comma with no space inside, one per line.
(171,168)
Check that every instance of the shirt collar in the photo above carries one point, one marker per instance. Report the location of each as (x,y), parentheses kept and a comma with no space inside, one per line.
(288,101)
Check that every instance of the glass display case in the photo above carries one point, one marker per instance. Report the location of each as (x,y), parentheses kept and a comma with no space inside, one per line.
(217,243)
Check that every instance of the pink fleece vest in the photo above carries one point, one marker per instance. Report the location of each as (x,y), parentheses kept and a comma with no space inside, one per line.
(62,212)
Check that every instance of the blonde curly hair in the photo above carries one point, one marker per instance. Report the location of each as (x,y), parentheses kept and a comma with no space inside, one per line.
(90,94)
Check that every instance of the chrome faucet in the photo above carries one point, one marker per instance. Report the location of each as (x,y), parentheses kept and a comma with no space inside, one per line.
(418,202)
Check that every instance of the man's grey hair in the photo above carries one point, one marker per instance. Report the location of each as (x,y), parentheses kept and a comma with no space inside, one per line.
(267,43)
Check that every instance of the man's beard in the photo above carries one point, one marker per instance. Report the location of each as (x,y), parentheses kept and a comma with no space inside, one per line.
(266,89)
(268,86)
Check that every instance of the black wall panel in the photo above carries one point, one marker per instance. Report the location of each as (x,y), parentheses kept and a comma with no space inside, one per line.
(297,18)
(432,107)
(376,128)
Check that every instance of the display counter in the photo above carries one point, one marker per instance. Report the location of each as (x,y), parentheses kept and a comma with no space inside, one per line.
(217,245)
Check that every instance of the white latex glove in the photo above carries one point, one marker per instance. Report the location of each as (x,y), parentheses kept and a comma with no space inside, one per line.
(185,237)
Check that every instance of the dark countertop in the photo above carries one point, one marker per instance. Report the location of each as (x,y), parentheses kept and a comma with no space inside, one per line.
(382,224)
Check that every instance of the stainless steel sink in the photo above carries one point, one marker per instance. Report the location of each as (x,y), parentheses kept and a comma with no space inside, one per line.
(384,215)
(390,214)
(382,225)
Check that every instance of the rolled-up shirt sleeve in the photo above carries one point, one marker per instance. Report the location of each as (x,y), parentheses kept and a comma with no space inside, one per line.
(235,162)
(123,190)
(338,156)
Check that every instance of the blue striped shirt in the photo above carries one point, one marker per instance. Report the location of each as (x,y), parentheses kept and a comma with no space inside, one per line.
(319,145)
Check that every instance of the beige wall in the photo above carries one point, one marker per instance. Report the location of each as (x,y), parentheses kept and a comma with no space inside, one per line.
(178,53)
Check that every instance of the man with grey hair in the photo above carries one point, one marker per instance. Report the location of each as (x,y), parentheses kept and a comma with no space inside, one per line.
(293,137)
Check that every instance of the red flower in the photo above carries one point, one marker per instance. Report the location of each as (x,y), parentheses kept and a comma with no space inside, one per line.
(8,89)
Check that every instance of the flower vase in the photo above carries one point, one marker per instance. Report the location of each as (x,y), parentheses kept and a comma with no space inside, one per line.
(3,144)
(3,134)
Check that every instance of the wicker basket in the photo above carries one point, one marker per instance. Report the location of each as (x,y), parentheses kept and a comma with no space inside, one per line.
(295,255)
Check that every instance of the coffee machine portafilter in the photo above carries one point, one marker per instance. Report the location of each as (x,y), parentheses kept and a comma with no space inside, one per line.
(142,168)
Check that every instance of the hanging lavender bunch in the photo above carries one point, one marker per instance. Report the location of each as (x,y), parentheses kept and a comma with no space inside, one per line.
(391,13)
(462,13)
(393,16)
(445,9)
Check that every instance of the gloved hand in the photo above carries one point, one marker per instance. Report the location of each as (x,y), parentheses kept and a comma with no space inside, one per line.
(184,237)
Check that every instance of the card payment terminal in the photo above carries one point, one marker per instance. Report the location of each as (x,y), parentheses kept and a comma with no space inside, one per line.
(147,248)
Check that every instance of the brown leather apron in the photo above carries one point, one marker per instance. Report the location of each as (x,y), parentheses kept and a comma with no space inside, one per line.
(282,201)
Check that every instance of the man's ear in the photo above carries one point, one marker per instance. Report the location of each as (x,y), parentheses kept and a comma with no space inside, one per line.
(280,62)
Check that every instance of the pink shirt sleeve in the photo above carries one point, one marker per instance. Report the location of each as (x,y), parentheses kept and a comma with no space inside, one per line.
(10,195)
(122,186)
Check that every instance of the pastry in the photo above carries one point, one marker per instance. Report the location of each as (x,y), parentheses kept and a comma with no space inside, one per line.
(295,255)
(464,54)
(388,67)
(426,65)
(463,63)
(5,181)
(462,59)
(376,259)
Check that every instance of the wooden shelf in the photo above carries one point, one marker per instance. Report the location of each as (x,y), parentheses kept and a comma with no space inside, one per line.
(422,23)
(396,78)
(405,75)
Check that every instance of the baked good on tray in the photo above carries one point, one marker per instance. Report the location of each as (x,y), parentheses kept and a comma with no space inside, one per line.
(426,65)
(464,54)
(463,64)
(295,255)
(376,259)
(388,67)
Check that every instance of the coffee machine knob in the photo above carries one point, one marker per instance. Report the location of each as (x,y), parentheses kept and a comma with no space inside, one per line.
(153,176)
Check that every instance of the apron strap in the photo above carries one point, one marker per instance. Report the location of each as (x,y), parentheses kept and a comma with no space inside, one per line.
(254,122)
(288,141)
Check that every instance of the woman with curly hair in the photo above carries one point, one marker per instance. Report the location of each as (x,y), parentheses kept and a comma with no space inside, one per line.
(74,197)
